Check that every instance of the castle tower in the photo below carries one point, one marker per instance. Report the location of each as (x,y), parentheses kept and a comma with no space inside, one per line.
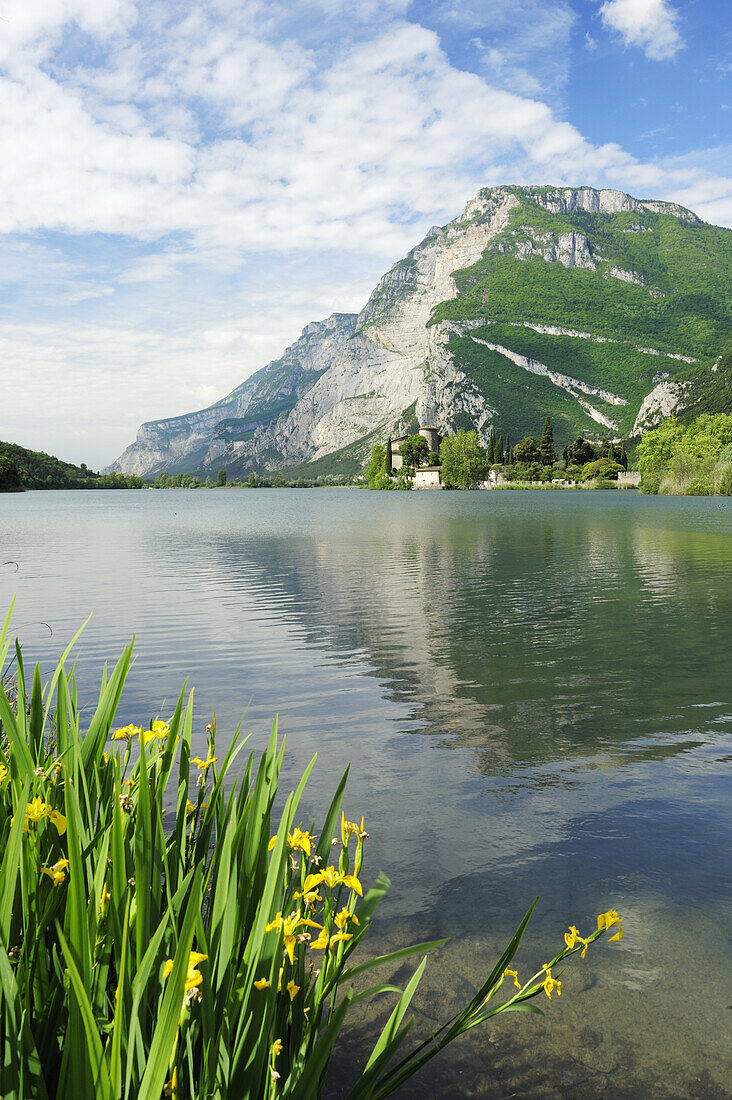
(432,435)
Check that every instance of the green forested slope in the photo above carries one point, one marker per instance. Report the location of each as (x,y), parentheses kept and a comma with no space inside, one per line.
(38,470)
(679,305)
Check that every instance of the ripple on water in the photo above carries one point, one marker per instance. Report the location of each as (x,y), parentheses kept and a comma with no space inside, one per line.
(534,692)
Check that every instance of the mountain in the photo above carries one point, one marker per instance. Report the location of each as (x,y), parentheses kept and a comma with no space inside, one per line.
(602,310)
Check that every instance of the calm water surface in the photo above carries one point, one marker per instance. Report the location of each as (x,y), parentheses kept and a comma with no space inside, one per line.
(534,690)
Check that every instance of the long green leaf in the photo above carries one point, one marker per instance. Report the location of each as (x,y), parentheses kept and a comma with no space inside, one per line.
(95,1053)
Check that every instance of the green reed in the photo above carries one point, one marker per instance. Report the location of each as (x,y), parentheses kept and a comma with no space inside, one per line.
(190,951)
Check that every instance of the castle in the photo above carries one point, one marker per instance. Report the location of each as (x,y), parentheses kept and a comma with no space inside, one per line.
(425,477)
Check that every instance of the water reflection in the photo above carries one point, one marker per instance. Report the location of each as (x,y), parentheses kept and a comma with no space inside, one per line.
(533,688)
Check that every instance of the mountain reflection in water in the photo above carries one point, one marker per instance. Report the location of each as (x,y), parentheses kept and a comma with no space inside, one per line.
(533,689)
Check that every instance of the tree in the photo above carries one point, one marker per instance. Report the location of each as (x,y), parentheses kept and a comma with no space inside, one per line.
(415,451)
(492,448)
(377,465)
(388,467)
(547,454)
(9,476)
(221,478)
(527,450)
(508,450)
(578,453)
(623,457)
(463,461)
(499,451)
(602,467)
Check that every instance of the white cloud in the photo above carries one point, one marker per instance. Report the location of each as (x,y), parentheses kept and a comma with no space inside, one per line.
(183,189)
(650,24)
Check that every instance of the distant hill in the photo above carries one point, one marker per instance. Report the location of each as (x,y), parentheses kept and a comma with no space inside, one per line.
(604,311)
(37,470)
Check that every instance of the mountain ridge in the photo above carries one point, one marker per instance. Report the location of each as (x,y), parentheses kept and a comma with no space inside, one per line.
(574,302)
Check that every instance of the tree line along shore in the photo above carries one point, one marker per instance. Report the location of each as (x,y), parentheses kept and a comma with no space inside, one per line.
(693,458)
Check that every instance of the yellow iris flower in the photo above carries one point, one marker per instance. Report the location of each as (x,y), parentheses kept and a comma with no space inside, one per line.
(194,976)
(512,974)
(572,937)
(330,877)
(342,918)
(203,765)
(262,983)
(289,926)
(38,809)
(296,839)
(3,773)
(126,733)
(293,990)
(608,920)
(57,873)
(551,983)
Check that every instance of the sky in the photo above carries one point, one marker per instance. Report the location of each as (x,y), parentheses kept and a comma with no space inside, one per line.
(184,186)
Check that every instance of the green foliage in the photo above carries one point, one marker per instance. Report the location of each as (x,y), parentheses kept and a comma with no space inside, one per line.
(578,453)
(38,470)
(689,265)
(547,454)
(415,450)
(527,450)
(693,458)
(376,468)
(491,450)
(602,467)
(143,947)
(221,478)
(682,307)
(9,476)
(521,470)
(463,461)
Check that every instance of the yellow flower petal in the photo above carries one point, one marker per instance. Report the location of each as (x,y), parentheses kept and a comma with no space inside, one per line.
(293,990)
(263,983)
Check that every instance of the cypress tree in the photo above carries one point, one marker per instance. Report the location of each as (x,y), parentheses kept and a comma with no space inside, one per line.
(499,453)
(389,470)
(547,453)
(623,457)
(508,450)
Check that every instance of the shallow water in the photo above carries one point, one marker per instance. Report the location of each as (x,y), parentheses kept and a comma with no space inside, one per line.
(534,692)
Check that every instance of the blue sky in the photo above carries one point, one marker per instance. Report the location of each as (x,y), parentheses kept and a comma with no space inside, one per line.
(186,185)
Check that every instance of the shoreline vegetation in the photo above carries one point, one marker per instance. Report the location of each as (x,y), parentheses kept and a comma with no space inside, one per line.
(162,935)
(532,463)
(692,459)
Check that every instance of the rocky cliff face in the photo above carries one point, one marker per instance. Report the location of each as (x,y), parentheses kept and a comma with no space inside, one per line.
(464,332)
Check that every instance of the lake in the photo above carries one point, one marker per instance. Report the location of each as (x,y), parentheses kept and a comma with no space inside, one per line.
(534,691)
